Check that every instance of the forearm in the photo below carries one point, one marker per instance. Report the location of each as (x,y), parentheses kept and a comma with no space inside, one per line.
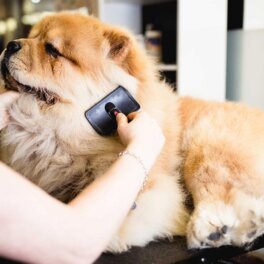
(37,228)
(34,227)
(107,201)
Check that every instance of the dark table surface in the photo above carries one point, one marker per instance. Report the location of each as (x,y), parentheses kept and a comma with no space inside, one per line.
(169,252)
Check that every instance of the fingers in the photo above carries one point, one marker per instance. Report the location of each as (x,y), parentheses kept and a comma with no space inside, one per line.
(123,120)
(133,115)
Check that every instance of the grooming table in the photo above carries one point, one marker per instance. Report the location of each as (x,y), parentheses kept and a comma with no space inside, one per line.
(170,252)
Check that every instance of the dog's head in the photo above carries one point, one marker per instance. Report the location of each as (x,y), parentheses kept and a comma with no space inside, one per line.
(72,59)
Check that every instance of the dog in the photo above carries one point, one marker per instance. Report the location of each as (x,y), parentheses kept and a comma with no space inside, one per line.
(213,151)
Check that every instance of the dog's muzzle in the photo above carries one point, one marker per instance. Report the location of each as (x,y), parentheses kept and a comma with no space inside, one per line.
(11,83)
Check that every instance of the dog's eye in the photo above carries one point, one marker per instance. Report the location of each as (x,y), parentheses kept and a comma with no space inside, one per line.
(50,49)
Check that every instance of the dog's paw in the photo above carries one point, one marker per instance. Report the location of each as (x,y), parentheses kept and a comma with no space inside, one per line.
(251,224)
(211,225)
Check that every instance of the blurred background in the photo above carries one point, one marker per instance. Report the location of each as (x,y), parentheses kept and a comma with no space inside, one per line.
(18,16)
(212,49)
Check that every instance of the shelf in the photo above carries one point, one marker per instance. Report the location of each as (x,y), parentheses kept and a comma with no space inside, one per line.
(167,67)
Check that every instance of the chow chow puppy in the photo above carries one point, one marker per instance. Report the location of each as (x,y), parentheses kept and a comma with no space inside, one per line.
(213,151)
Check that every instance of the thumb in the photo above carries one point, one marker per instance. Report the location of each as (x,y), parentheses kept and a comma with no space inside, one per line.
(121,120)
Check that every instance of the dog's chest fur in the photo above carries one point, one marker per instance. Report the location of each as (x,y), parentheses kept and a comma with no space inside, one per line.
(37,152)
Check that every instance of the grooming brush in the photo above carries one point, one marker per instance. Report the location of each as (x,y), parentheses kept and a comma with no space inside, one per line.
(102,115)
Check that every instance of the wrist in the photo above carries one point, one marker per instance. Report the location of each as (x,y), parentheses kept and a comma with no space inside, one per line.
(140,162)
(147,155)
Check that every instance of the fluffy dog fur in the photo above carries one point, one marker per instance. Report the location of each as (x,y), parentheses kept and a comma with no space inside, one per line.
(216,149)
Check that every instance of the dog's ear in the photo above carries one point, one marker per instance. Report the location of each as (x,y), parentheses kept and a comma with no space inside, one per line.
(119,45)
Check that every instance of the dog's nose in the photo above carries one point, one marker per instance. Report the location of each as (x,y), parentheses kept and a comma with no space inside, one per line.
(13,46)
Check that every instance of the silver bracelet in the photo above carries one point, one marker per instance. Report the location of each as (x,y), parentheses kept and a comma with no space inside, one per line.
(131,154)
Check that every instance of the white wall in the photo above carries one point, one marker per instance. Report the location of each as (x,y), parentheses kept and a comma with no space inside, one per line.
(253,14)
(124,14)
(245,57)
(202,48)
(245,67)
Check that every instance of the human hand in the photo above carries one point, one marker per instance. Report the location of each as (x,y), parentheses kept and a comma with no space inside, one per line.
(6,99)
(141,135)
